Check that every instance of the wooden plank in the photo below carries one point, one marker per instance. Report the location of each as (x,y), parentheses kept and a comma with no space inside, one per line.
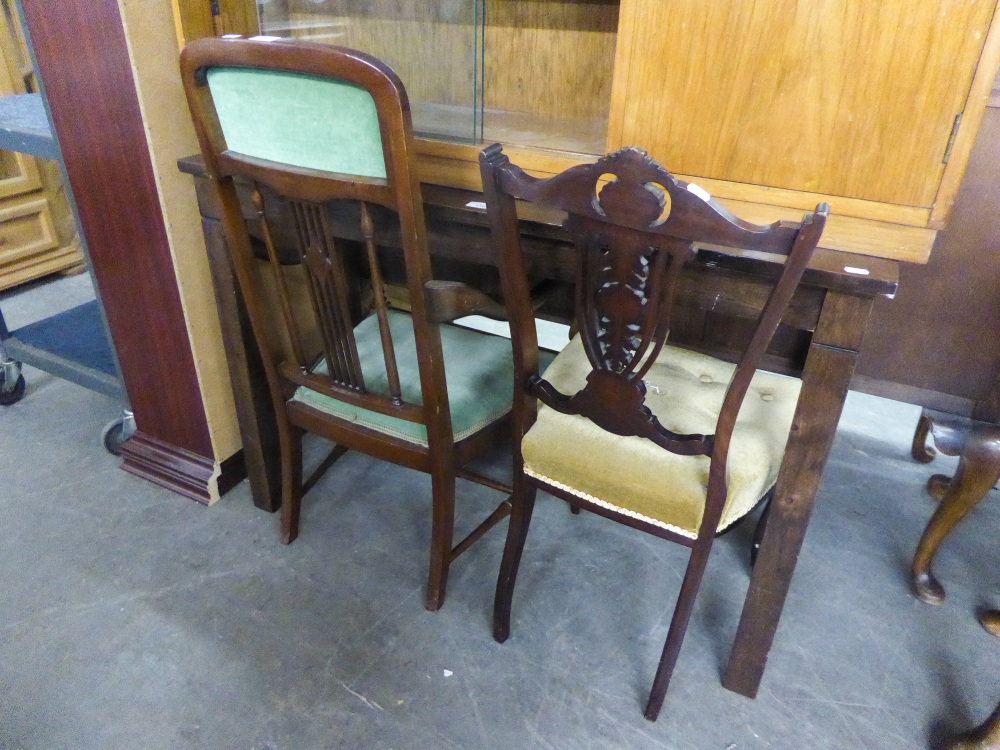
(193,19)
(551,58)
(620,82)
(834,96)
(457,165)
(848,234)
(95,110)
(35,267)
(940,333)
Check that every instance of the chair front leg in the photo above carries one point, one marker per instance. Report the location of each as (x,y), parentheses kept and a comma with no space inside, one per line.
(290,438)
(678,626)
(522,504)
(442,532)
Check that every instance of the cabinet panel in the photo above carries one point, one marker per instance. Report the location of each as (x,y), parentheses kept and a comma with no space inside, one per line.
(548,72)
(840,97)
(37,229)
(25,229)
(27,240)
(772,105)
(18,174)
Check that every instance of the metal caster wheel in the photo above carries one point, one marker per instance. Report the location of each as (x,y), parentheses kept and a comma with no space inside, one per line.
(11,384)
(117,432)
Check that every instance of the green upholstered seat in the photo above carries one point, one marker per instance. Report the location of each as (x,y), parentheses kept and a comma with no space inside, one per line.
(479,370)
(635,476)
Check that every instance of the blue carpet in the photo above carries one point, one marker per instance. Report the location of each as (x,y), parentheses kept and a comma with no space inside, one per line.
(77,335)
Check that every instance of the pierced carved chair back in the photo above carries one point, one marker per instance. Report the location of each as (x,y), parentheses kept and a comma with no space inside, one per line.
(634,227)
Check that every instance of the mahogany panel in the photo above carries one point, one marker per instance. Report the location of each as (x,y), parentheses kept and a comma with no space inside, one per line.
(83,63)
(938,337)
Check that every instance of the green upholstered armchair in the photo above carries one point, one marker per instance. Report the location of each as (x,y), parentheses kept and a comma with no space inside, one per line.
(309,131)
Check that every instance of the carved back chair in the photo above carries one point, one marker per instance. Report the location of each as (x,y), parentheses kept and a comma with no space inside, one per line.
(659,438)
(308,134)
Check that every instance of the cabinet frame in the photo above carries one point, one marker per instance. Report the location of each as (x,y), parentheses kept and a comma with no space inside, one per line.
(867,227)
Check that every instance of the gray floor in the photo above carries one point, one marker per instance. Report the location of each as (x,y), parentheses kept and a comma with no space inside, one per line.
(133,618)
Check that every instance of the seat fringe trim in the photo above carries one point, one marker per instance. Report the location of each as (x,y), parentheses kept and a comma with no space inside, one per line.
(609,506)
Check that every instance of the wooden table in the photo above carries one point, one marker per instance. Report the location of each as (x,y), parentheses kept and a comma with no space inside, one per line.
(719,299)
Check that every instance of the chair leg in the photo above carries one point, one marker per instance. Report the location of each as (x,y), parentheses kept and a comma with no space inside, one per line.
(920,450)
(978,470)
(678,627)
(984,737)
(442,532)
(759,529)
(522,505)
(291,482)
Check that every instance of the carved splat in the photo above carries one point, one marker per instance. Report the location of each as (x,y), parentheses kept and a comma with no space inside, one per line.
(624,297)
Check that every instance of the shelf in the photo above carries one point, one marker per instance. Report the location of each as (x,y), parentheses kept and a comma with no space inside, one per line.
(71,345)
(24,126)
(577,135)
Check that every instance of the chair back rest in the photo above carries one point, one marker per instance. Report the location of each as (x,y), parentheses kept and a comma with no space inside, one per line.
(634,226)
(319,136)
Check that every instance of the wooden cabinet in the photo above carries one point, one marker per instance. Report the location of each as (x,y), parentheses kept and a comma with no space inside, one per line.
(771,105)
(37,231)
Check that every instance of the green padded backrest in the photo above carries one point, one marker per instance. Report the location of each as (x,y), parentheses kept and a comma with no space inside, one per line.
(299,120)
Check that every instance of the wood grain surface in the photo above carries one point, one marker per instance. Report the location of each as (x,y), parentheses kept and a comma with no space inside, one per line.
(833,96)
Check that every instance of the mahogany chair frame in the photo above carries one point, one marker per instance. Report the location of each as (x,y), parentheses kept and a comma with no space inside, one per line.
(631,247)
(430,303)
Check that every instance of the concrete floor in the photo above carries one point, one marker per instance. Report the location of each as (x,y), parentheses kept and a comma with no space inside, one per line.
(132,618)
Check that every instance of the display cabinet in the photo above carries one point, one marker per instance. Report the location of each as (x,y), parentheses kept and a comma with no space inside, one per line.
(771,105)
(37,232)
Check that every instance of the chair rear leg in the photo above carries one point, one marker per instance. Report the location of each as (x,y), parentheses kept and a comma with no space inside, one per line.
(442,533)
(291,482)
(522,505)
(760,528)
(678,627)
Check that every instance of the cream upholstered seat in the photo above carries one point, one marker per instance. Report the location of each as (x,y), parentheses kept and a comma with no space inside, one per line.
(632,475)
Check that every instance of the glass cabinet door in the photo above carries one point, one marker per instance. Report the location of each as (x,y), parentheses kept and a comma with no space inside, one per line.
(525,72)
(435,47)
(547,72)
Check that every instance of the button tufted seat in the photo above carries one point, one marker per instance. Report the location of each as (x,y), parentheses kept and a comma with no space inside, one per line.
(634,476)
(673,443)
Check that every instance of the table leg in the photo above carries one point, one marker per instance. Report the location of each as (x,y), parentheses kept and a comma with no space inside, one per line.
(825,380)
(254,409)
